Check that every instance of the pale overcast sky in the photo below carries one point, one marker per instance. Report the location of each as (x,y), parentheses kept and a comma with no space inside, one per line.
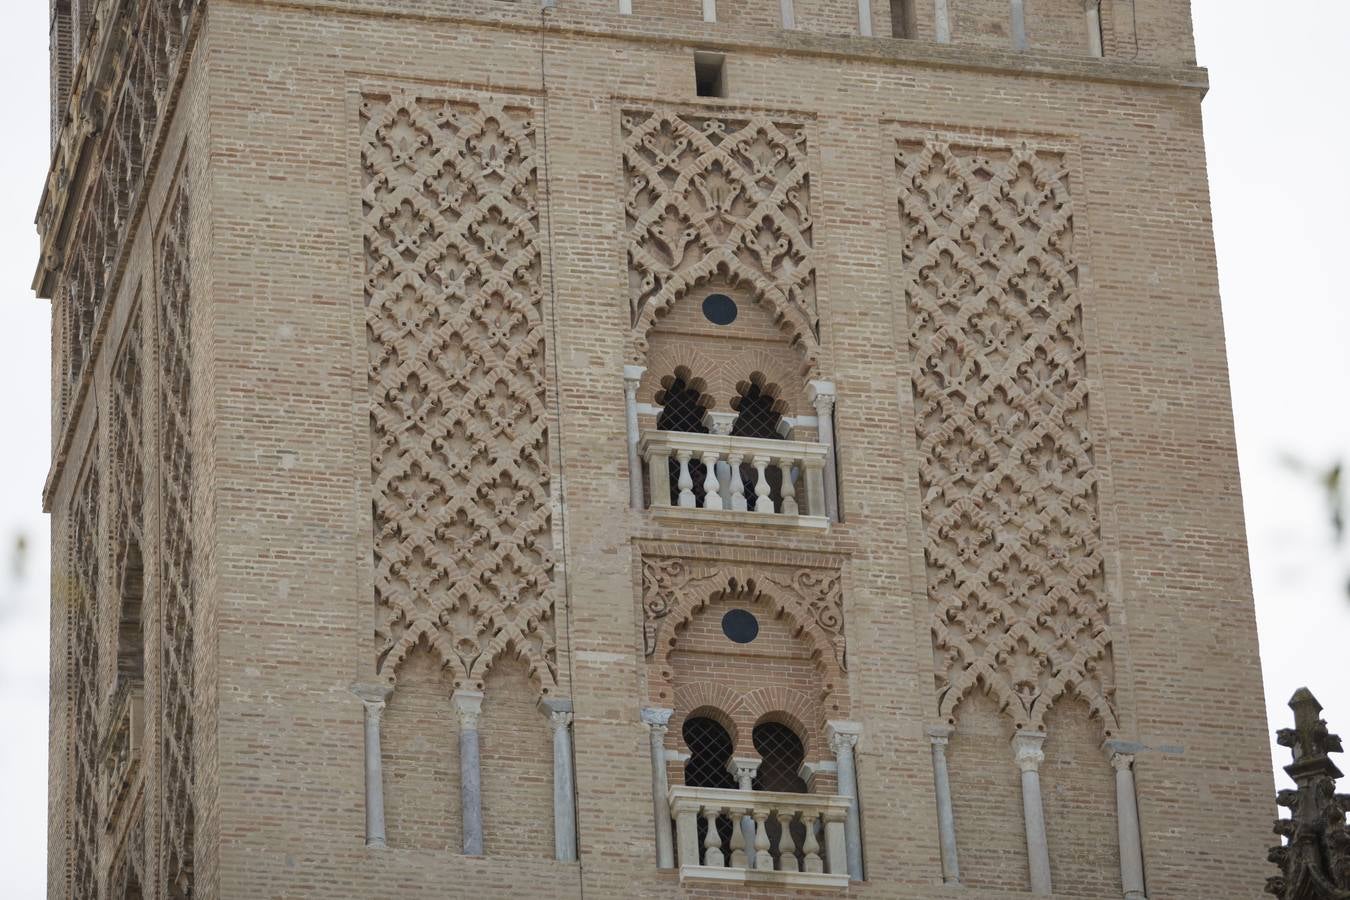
(1277,132)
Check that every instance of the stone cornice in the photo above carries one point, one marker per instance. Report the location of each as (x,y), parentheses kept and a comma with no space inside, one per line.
(667,32)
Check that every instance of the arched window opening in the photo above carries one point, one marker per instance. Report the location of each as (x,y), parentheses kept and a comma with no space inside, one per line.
(758,410)
(683,408)
(781,754)
(682,404)
(710,750)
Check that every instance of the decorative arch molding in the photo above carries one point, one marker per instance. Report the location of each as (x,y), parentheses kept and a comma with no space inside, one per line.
(719,196)
(676,588)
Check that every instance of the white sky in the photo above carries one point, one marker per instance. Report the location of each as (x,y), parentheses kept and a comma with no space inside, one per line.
(1277,146)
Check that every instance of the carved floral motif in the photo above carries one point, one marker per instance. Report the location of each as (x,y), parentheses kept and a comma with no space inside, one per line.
(675,588)
(710,194)
(458,431)
(1010,507)
(83,602)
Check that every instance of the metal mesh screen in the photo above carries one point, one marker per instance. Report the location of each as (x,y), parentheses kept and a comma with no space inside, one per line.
(710,749)
(680,409)
(755,415)
(782,754)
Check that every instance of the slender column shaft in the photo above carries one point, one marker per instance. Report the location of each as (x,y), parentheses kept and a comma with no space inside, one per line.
(1094,27)
(942,22)
(657,720)
(632,376)
(710,10)
(938,736)
(625,7)
(1029,756)
(373,697)
(559,714)
(1127,823)
(822,396)
(1019,24)
(469,705)
(744,769)
(843,738)
(789,13)
(865,18)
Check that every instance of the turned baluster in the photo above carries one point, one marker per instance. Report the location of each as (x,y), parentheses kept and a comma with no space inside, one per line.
(712,841)
(686,481)
(738,857)
(763,503)
(811,861)
(789,490)
(787,844)
(763,858)
(737,485)
(712,498)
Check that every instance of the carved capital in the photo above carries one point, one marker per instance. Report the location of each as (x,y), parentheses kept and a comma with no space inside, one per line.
(822,396)
(468,706)
(1028,750)
(657,718)
(558,710)
(843,736)
(632,377)
(744,769)
(940,735)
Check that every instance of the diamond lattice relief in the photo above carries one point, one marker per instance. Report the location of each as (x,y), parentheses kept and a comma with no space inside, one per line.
(459,439)
(708,194)
(84,675)
(176,580)
(1009,505)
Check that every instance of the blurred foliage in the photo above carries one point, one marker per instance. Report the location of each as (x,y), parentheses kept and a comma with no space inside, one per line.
(1329,479)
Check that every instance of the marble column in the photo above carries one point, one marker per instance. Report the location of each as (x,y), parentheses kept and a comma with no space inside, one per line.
(843,737)
(625,7)
(789,13)
(559,714)
(469,705)
(942,22)
(1094,27)
(822,397)
(1028,753)
(1127,821)
(865,18)
(373,697)
(657,721)
(744,769)
(710,10)
(632,377)
(1019,24)
(938,736)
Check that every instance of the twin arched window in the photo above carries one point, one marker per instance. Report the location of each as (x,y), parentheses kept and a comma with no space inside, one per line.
(778,747)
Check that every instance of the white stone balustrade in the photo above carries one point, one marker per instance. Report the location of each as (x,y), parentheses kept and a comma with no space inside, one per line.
(800,465)
(815,856)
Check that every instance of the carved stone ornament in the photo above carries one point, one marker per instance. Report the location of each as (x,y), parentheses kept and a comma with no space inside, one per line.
(719,195)
(458,432)
(83,605)
(1314,860)
(675,588)
(1012,541)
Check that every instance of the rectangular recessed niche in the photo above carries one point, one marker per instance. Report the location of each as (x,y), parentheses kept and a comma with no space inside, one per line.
(710,73)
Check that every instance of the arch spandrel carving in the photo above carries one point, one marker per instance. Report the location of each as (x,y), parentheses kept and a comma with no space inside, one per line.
(1012,541)
(459,436)
(719,197)
(675,589)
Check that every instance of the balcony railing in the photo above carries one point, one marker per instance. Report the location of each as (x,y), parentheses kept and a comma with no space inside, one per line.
(779,482)
(761,836)
(121,749)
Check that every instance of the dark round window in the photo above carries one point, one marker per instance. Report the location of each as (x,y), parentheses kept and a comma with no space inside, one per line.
(740,626)
(719,309)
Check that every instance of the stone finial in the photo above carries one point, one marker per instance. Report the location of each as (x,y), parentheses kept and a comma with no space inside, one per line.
(1314,859)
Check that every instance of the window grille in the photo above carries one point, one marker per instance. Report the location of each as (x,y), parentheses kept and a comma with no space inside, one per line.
(756,416)
(782,756)
(682,411)
(710,750)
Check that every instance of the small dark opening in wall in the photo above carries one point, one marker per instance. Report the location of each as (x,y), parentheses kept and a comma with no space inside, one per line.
(710,74)
(902,18)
